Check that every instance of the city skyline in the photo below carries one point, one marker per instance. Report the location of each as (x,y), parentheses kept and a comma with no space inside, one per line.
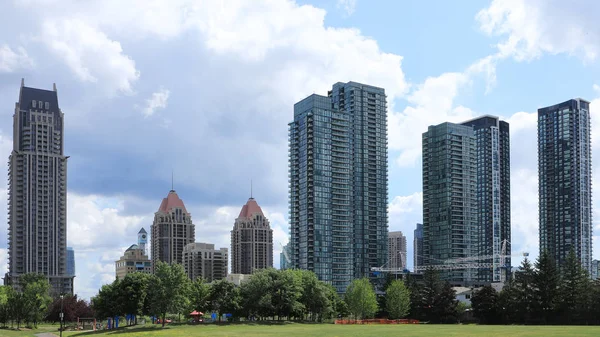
(226,102)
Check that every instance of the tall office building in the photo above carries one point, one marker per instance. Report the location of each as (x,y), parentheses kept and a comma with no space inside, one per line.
(493,196)
(450,198)
(418,247)
(565,181)
(171,230)
(338,183)
(70,261)
(396,251)
(284,260)
(203,260)
(251,240)
(37,191)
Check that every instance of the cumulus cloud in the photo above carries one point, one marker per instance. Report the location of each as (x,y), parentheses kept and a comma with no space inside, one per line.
(533,27)
(11,60)
(158,100)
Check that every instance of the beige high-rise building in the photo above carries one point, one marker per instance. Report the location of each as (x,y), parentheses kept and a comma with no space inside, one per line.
(396,251)
(133,260)
(171,230)
(251,240)
(203,260)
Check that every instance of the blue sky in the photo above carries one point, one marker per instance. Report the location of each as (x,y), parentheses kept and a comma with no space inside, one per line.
(206,90)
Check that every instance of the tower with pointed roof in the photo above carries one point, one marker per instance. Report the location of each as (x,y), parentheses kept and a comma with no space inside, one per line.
(251,240)
(171,230)
(143,240)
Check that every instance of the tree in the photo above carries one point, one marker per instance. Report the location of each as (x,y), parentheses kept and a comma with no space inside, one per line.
(445,305)
(397,300)
(4,306)
(574,290)
(72,307)
(545,282)
(133,290)
(518,298)
(108,302)
(36,296)
(361,298)
(224,297)
(168,289)
(199,292)
(485,305)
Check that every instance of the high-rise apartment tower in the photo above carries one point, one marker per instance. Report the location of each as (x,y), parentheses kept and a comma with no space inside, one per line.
(37,191)
(565,181)
(338,183)
(396,251)
(251,240)
(418,246)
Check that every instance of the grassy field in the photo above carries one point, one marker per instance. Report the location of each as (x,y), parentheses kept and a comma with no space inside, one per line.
(292,330)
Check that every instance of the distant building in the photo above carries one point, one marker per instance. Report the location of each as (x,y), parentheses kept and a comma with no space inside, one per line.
(203,260)
(70,261)
(37,191)
(238,279)
(396,251)
(565,181)
(143,240)
(133,260)
(251,240)
(284,257)
(464,294)
(171,230)
(418,247)
(595,270)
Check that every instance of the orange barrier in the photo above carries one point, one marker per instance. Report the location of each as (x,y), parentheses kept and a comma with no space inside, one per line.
(376,321)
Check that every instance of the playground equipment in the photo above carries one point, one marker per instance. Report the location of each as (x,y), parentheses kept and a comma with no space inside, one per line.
(86,324)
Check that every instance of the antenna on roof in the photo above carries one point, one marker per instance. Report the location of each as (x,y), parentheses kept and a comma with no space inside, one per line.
(251,189)
(172,179)
(54,86)
(22,82)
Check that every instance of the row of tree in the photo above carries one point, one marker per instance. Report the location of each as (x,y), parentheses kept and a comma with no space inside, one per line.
(542,294)
(32,303)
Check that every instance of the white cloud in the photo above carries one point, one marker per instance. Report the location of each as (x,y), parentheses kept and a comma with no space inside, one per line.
(90,54)
(158,100)
(348,6)
(533,27)
(11,60)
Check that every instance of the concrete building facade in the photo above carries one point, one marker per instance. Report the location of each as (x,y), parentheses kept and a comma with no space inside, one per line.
(565,181)
(134,260)
(203,260)
(171,230)
(418,246)
(339,184)
(251,240)
(396,251)
(37,191)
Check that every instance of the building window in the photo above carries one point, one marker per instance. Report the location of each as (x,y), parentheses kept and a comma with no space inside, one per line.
(33,103)
(47,105)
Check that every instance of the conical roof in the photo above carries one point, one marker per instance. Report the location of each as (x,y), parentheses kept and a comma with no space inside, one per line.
(142,231)
(171,201)
(250,208)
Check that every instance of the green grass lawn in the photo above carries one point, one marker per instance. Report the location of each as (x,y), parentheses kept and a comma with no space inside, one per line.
(295,329)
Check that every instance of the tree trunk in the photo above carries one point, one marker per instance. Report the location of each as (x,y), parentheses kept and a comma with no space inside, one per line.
(163,319)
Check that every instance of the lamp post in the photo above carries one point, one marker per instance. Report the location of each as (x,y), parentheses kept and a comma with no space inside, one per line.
(61,314)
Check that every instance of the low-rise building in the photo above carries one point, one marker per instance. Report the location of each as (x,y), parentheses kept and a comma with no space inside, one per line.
(238,279)
(133,260)
(203,260)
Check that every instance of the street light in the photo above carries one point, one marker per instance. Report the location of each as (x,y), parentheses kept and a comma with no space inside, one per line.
(61,314)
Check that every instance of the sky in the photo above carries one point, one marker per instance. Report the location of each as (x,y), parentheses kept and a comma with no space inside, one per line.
(205,90)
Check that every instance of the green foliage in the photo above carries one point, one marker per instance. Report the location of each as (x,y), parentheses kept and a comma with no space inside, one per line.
(224,297)
(545,283)
(397,300)
(36,297)
(485,305)
(361,299)
(199,292)
(133,290)
(168,289)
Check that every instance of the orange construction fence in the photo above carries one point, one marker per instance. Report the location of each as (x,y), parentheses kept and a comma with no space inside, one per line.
(376,321)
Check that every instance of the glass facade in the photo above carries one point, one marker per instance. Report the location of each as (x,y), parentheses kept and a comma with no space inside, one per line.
(418,246)
(70,261)
(565,173)
(338,183)
(450,228)
(493,196)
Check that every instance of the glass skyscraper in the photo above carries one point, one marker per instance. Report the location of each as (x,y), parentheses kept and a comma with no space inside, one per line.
(493,196)
(418,246)
(338,183)
(565,181)
(450,228)
(70,261)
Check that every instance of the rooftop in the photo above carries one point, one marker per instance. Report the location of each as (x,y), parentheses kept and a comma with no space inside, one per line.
(250,208)
(170,202)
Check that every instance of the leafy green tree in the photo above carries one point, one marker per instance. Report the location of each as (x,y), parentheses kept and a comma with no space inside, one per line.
(485,305)
(36,296)
(224,298)
(315,296)
(361,298)
(16,306)
(168,290)
(545,283)
(4,305)
(108,302)
(397,300)
(445,305)
(199,292)
(133,289)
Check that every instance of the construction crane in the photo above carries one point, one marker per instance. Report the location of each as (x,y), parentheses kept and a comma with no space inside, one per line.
(499,264)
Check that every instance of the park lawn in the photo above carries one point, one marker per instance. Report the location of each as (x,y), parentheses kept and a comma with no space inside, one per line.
(296,329)
(29,333)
